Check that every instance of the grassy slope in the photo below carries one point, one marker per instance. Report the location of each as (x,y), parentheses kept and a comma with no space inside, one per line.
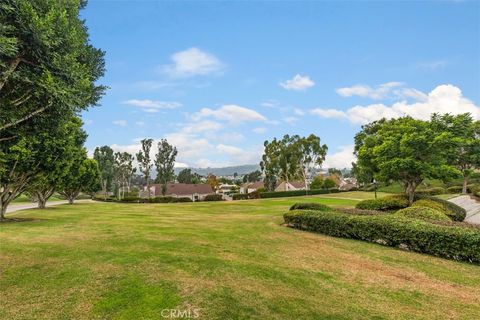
(232,260)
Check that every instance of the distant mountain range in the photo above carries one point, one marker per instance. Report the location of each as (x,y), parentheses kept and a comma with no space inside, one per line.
(225,171)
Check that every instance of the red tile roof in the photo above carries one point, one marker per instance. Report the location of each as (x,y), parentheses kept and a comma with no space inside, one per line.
(183,189)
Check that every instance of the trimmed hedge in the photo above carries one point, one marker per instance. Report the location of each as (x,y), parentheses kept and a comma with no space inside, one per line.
(451,242)
(455,189)
(213,197)
(167,199)
(310,206)
(429,203)
(422,213)
(239,196)
(432,191)
(389,203)
(454,212)
(296,193)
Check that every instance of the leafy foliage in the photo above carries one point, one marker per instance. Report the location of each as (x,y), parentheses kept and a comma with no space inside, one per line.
(165,162)
(390,203)
(310,206)
(422,213)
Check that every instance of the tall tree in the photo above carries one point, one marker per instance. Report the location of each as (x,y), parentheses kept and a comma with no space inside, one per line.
(404,150)
(145,162)
(123,171)
(461,137)
(106,161)
(48,68)
(213,182)
(165,162)
(83,176)
(311,154)
(185,176)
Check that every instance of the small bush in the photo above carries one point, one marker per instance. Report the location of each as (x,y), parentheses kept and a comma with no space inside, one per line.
(383,204)
(432,191)
(183,199)
(455,189)
(310,206)
(213,197)
(454,242)
(422,213)
(474,189)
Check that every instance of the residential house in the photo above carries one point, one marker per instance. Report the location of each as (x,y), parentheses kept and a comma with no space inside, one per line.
(291,185)
(249,187)
(193,191)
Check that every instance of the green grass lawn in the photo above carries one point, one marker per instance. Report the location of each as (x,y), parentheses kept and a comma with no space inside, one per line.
(25,199)
(231,260)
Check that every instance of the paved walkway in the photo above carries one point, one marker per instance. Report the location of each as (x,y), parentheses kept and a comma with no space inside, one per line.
(471,205)
(33,205)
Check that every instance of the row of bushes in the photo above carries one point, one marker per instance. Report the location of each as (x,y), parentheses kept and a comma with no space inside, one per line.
(394,230)
(281,194)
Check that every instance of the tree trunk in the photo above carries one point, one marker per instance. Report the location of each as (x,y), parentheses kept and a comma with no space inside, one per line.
(465,183)
(41,203)
(71,199)
(11,68)
(3,210)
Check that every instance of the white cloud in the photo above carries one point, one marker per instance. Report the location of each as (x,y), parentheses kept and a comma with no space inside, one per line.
(121,123)
(192,62)
(343,158)
(432,65)
(259,130)
(152,106)
(298,83)
(299,112)
(442,99)
(202,126)
(328,113)
(231,113)
(361,90)
(290,120)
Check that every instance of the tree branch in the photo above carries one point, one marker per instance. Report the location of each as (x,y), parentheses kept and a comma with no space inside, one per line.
(8,125)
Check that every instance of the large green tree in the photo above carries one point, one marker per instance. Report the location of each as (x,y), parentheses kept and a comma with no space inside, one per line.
(34,157)
(145,161)
(45,183)
(405,150)
(83,176)
(123,171)
(461,136)
(165,162)
(106,162)
(48,68)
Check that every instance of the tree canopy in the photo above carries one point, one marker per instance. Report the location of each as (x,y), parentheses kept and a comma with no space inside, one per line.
(165,162)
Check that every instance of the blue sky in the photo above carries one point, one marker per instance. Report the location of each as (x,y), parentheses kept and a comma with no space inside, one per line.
(218,78)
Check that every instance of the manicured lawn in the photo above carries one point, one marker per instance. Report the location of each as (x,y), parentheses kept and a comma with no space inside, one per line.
(232,260)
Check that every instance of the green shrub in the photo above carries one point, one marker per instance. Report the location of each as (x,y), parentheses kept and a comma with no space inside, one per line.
(455,189)
(130,199)
(310,206)
(422,213)
(429,203)
(389,203)
(183,199)
(452,242)
(454,212)
(432,191)
(474,189)
(166,199)
(240,196)
(213,197)
(295,193)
